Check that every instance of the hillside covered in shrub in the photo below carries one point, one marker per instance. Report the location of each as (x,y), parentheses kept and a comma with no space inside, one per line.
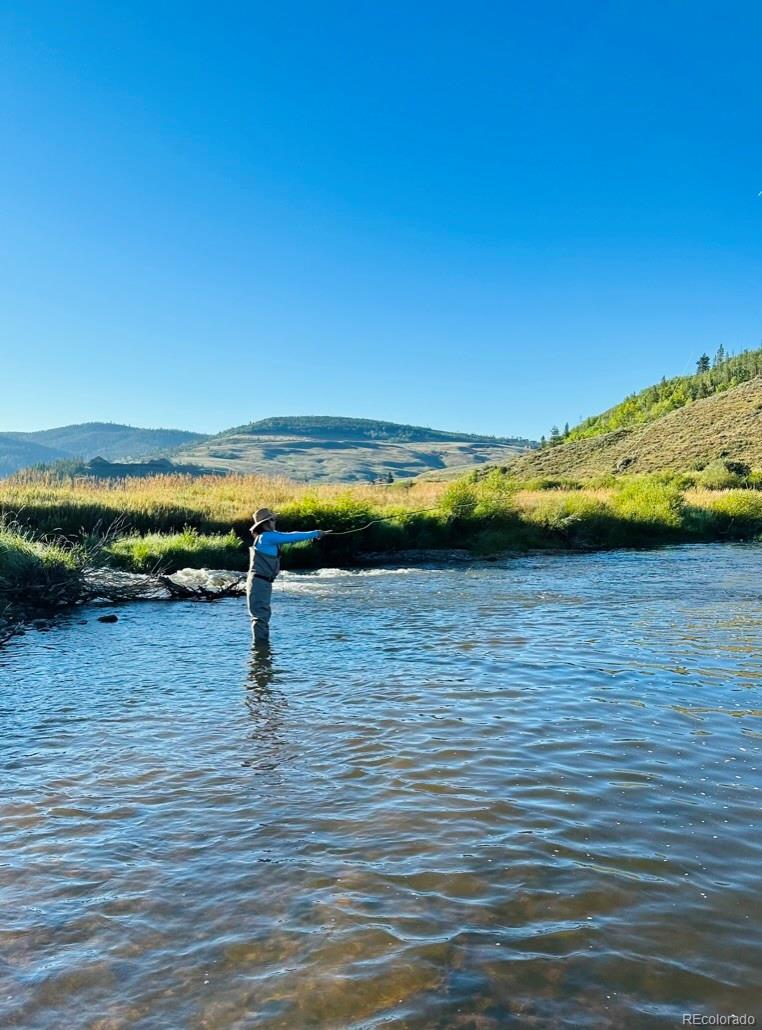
(723,425)
(671,394)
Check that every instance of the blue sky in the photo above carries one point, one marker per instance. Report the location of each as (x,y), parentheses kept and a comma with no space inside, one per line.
(486,216)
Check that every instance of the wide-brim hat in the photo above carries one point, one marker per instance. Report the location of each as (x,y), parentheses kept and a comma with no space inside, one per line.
(262,515)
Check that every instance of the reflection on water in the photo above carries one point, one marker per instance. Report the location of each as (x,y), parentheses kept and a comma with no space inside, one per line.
(261,673)
(515,794)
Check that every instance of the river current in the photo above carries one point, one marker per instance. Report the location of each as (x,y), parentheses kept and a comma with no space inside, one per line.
(518,793)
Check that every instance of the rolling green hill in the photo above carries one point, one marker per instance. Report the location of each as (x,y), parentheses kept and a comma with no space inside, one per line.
(326,427)
(320,448)
(726,425)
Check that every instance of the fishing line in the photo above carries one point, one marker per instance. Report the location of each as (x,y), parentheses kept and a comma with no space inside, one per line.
(386,518)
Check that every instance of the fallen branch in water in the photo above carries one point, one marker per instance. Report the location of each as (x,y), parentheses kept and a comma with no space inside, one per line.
(218,585)
(117,586)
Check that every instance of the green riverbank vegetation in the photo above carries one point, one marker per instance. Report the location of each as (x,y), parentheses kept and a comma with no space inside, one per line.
(36,574)
(165,523)
(188,549)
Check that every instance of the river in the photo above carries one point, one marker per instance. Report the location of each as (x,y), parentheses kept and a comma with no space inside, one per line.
(518,793)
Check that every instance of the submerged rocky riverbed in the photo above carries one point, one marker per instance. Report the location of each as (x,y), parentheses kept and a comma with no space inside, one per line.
(509,793)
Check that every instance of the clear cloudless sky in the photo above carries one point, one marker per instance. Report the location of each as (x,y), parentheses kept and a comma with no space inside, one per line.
(488,217)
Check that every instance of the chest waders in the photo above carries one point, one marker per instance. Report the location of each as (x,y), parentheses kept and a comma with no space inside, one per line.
(263,570)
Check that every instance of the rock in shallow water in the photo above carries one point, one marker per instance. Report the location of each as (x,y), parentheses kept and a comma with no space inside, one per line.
(108,618)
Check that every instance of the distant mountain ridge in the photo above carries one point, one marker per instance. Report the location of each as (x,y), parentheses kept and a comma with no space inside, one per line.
(17,454)
(303,447)
(86,440)
(110,439)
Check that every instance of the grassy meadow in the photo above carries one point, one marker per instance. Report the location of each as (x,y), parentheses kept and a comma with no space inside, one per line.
(53,527)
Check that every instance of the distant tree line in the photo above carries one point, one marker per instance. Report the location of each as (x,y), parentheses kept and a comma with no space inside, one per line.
(712,376)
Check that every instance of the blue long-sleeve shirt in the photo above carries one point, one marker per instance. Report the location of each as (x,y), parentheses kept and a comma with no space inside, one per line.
(271,540)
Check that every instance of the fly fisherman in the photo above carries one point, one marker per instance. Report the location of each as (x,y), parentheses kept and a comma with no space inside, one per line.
(265,566)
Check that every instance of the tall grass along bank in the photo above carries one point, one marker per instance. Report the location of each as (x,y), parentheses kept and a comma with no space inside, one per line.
(165,523)
(35,575)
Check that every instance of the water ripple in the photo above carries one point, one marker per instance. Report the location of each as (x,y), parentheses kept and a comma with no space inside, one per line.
(520,793)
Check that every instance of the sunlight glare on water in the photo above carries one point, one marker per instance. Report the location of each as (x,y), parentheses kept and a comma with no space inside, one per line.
(517,793)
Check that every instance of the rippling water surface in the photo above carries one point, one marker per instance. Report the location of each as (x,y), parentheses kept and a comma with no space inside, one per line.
(520,794)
